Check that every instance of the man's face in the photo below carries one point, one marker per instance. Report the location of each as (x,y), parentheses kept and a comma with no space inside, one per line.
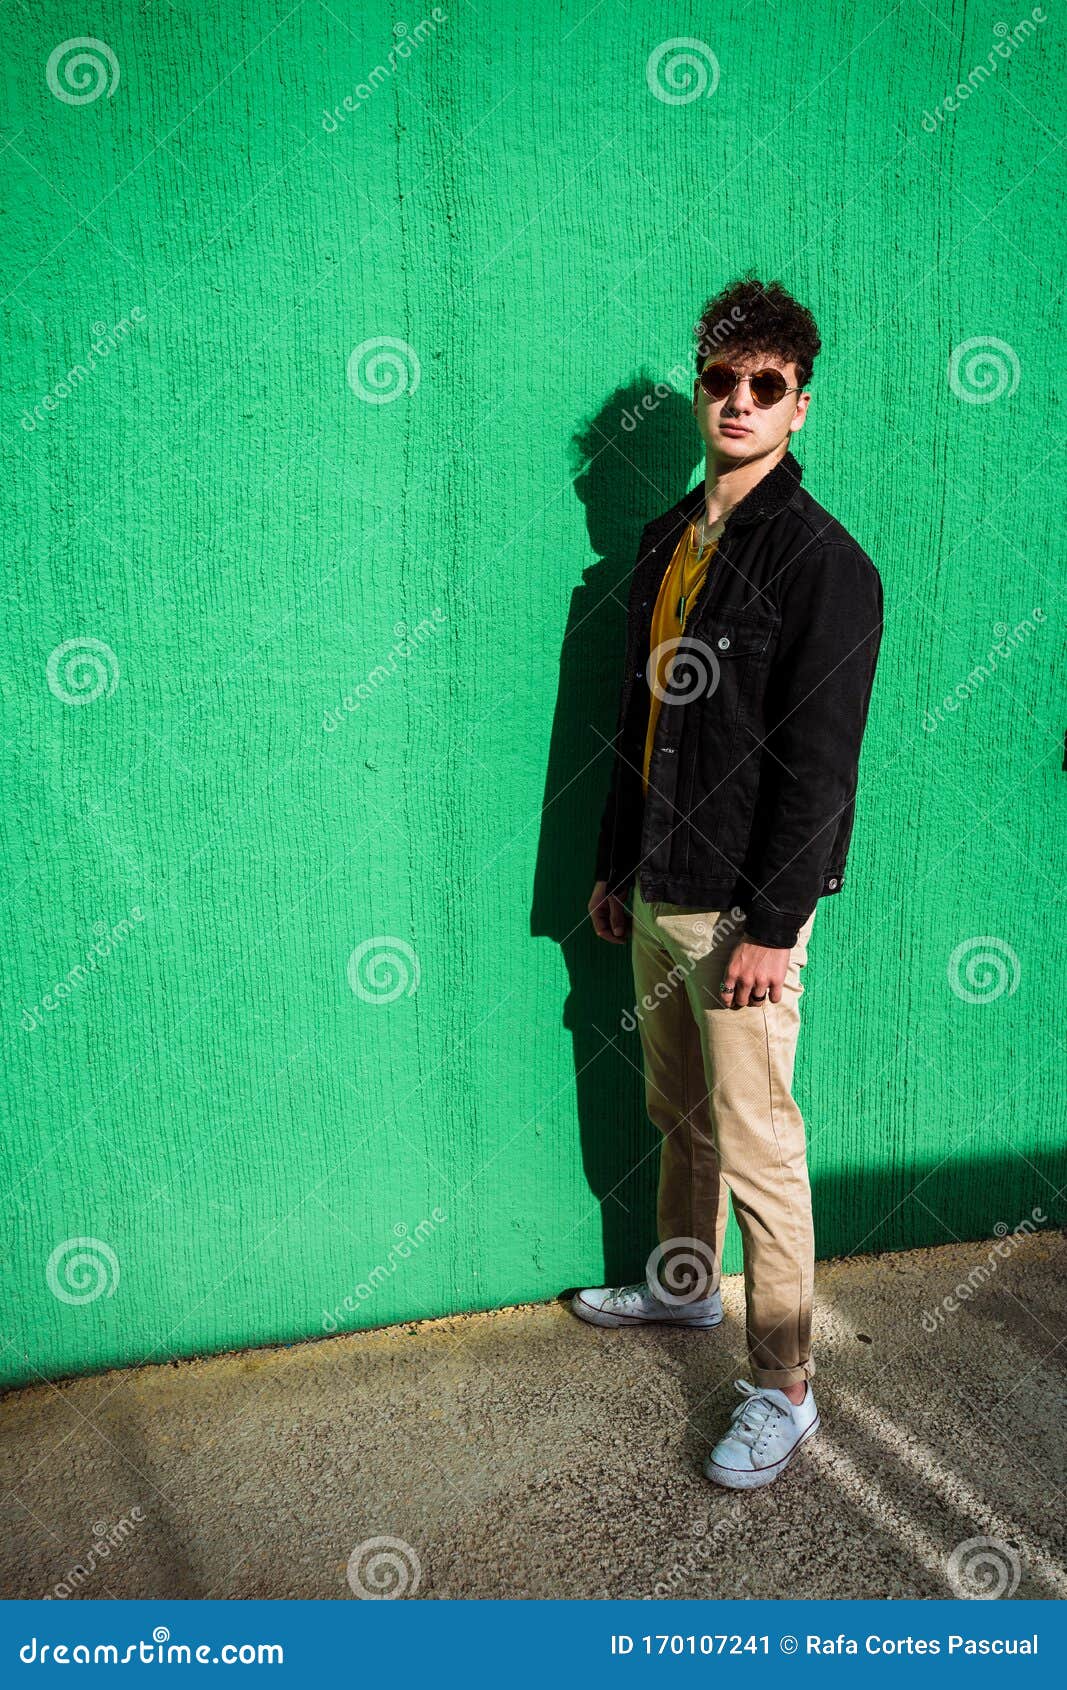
(736,429)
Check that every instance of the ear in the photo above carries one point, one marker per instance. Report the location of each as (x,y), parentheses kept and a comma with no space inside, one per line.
(800,413)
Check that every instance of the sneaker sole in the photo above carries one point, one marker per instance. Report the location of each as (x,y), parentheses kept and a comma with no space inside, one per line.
(736,1478)
(600,1317)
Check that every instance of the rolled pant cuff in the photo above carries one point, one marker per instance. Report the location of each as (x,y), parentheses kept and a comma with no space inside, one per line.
(779,1376)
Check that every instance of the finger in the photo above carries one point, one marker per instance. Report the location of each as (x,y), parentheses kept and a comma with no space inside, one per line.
(618,917)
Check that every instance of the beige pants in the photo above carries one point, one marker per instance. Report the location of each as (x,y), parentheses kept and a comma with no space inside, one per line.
(719,1087)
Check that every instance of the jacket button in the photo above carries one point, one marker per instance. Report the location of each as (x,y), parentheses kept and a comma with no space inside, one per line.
(724,644)
(831,883)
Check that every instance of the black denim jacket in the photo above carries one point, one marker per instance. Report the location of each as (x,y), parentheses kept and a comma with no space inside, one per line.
(752,780)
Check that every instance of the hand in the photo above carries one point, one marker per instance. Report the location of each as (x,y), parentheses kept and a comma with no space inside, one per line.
(755,972)
(609,914)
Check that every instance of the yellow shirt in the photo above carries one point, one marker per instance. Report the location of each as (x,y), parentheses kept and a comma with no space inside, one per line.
(686,565)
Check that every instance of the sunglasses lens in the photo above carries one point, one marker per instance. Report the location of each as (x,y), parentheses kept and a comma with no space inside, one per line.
(718,380)
(768,386)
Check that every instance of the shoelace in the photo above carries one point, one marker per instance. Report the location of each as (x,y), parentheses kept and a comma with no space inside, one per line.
(749,1418)
(631,1293)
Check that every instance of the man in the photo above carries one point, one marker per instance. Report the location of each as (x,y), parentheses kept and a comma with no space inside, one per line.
(754,627)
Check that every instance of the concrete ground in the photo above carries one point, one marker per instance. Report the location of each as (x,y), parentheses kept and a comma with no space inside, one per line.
(522,1453)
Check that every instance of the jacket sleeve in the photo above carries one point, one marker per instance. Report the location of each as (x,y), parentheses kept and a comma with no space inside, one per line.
(616,845)
(605,850)
(818,698)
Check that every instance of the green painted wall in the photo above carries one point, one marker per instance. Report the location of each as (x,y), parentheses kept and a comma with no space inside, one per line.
(244,521)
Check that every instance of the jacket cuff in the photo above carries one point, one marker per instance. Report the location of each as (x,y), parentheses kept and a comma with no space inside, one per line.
(770,927)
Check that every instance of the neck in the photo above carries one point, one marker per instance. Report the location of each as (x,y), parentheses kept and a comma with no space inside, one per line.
(726,483)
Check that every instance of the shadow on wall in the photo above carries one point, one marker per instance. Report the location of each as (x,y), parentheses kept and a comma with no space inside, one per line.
(632,461)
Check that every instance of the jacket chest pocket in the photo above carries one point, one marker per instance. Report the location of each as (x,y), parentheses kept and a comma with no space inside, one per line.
(728,637)
(733,651)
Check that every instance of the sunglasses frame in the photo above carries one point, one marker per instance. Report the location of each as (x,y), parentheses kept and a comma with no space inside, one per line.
(761,405)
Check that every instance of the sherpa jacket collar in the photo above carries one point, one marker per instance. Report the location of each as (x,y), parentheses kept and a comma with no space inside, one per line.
(766,499)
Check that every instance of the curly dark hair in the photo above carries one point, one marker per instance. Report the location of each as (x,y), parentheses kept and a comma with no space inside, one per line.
(752,316)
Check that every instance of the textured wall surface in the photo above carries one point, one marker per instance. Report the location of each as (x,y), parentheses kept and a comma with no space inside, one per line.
(324,492)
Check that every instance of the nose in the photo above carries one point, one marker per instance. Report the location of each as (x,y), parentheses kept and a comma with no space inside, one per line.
(735,403)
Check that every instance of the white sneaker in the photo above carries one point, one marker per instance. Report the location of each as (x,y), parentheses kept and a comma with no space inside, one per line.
(766,1431)
(638,1305)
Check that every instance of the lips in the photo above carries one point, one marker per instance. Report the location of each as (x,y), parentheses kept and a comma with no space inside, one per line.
(732,428)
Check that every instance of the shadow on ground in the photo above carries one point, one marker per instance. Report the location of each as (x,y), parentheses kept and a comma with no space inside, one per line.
(522,1453)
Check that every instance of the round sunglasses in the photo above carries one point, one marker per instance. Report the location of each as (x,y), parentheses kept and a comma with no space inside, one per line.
(767,387)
